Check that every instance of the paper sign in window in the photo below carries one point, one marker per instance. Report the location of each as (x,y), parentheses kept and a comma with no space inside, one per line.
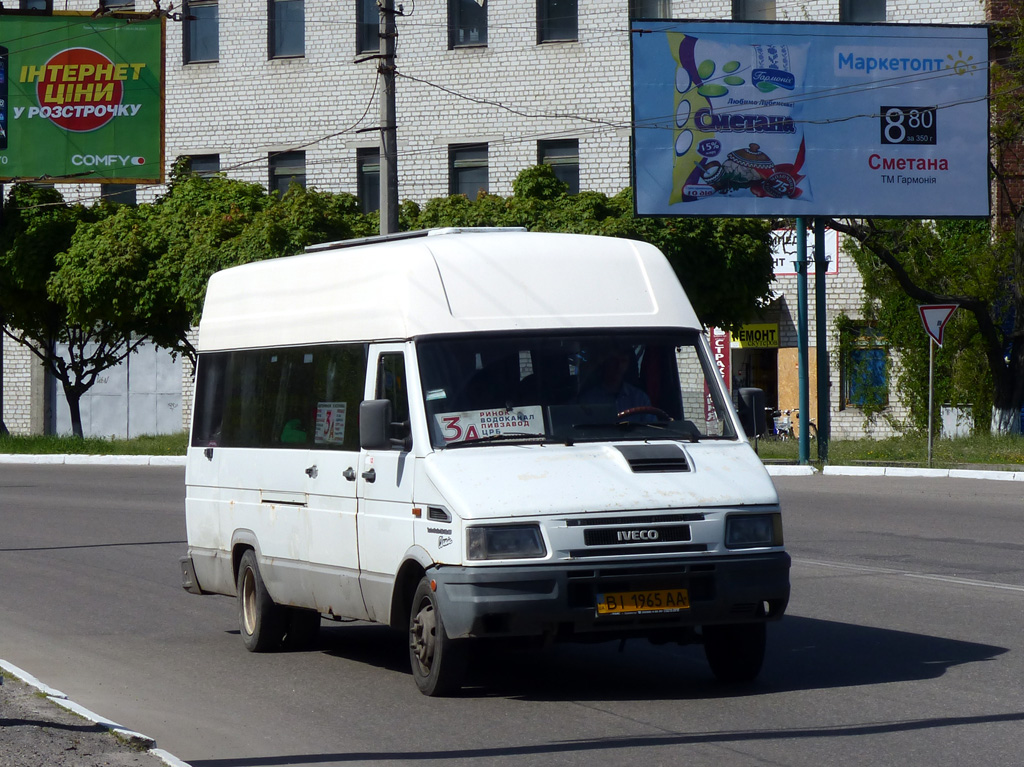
(330,423)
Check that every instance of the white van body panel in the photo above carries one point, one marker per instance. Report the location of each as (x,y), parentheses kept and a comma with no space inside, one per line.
(543,480)
(454,283)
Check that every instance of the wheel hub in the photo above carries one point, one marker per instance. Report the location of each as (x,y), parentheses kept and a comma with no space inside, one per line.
(424,630)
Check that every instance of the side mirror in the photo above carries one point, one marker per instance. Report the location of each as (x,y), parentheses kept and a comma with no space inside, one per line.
(376,429)
(375,424)
(752,412)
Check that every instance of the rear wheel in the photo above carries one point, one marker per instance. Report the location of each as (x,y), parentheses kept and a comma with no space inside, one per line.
(261,622)
(438,663)
(735,652)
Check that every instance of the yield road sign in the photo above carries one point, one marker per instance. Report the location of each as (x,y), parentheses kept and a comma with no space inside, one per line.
(935,317)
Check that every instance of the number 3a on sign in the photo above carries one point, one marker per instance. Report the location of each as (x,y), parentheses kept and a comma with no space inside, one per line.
(935,317)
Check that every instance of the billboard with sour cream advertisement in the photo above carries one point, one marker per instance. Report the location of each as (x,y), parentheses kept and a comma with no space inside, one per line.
(795,119)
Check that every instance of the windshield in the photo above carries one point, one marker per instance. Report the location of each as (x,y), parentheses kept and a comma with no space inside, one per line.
(570,387)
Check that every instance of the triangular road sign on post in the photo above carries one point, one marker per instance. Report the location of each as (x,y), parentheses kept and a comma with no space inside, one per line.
(935,317)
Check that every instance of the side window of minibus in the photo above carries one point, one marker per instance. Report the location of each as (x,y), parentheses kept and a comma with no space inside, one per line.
(392,385)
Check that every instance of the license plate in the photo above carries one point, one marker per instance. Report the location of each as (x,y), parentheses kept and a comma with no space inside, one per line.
(623,602)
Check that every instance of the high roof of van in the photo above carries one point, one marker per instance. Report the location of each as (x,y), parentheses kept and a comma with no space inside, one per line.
(443,281)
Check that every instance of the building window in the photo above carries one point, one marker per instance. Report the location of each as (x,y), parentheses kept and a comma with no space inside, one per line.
(122,194)
(753,10)
(204,165)
(286,28)
(201,31)
(557,20)
(650,9)
(37,5)
(862,10)
(367,26)
(368,179)
(287,168)
(865,377)
(563,156)
(467,23)
(467,169)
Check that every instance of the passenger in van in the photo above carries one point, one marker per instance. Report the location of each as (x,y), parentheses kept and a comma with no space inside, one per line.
(293,432)
(608,384)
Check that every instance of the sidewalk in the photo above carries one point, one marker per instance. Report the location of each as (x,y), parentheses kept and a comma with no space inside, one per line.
(40,727)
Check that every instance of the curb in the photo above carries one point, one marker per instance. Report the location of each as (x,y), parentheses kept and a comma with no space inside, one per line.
(776,470)
(92,460)
(136,739)
(893,471)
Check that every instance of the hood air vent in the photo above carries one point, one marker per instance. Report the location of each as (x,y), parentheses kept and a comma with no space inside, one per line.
(654,458)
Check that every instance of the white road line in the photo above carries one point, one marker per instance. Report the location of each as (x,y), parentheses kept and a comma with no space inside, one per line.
(906,574)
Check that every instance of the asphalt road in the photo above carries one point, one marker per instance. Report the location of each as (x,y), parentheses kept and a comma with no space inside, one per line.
(902,645)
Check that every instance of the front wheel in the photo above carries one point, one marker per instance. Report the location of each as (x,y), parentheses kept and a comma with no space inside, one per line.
(261,622)
(735,652)
(438,663)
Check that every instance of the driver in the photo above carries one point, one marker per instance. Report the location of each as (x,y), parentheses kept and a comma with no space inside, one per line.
(609,385)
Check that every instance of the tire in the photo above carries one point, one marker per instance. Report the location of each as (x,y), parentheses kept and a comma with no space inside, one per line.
(812,431)
(438,663)
(301,629)
(735,652)
(261,623)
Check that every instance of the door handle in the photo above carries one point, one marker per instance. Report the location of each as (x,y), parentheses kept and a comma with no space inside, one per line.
(311,472)
(349,474)
(370,475)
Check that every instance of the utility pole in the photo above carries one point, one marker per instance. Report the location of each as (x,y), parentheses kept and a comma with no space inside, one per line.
(388,129)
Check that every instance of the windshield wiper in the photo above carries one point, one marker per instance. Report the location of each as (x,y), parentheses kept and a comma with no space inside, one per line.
(506,437)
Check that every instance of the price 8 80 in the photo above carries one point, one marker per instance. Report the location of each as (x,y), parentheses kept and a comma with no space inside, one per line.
(908,125)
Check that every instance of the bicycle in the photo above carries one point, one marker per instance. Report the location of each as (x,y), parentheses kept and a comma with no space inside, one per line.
(780,425)
(812,427)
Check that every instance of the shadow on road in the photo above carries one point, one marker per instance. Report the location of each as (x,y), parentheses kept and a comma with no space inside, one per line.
(599,745)
(803,654)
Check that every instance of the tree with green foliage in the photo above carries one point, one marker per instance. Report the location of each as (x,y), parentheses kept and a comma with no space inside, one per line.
(38,226)
(961,263)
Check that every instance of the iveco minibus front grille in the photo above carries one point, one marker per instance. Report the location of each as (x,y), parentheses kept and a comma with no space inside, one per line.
(610,536)
(633,550)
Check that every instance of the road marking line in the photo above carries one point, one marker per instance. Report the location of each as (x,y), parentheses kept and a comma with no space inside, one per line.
(906,574)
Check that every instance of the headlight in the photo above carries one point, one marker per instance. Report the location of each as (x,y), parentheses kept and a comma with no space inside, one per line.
(504,542)
(748,531)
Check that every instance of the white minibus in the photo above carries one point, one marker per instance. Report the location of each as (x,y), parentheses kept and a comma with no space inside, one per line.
(476,434)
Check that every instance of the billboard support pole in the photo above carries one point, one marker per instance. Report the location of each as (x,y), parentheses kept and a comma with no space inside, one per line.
(821,339)
(801,333)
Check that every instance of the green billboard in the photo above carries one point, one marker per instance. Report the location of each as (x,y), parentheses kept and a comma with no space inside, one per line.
(81,98)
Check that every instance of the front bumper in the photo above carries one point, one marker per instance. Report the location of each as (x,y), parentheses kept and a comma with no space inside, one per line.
(559,601)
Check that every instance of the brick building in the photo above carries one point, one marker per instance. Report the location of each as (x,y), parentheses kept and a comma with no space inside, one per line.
(274,90)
